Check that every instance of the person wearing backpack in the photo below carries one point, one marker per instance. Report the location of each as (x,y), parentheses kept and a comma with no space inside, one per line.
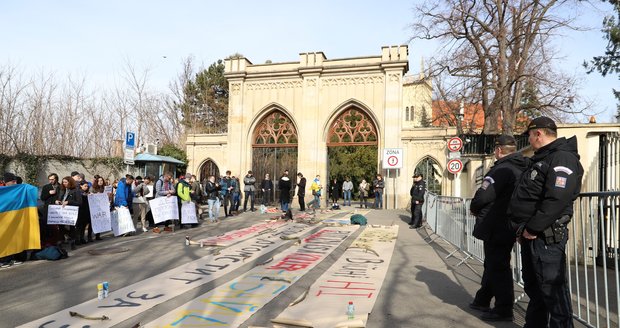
(184,196)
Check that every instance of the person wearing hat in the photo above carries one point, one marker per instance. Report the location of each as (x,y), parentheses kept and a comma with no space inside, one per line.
(417,191)
(493,227)
(540,208)
(9,179)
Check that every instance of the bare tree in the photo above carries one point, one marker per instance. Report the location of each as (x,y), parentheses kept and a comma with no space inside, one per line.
(499,46)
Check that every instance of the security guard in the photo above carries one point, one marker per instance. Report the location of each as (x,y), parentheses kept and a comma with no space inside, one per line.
(493,227)
(541,207)
(417,191)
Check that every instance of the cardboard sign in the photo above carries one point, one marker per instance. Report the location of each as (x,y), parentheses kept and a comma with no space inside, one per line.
(164,208)
(108,190)
(100,218)
(57,214)
(121,221)
(188,213)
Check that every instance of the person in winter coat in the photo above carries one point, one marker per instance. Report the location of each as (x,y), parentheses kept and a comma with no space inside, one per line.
(493,226)
(226,189)
(284,184)
(315,188)
(83,216)
(183,190)
(301,191)
(334,192)
(377,186)
(212,192)
(124,196)
(69,196)
(266,187)
(49,195)
(248,187)
(418,189)
(364,188)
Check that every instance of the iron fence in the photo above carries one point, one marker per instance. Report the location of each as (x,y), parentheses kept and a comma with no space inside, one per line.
(592,250)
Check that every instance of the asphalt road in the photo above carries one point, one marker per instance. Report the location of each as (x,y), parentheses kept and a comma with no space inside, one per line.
(422,288)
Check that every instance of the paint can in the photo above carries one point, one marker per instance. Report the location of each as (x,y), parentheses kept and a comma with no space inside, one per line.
(100,291)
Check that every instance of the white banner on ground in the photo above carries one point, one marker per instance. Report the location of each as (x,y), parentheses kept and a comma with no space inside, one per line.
(100,219)
(64,215)
(356,276)
(131,300)
(121,221)
(164,208)
(232,237)
(188,213)
(234,302)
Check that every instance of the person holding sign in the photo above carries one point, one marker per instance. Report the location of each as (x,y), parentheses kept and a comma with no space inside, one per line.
(124,195)
(98,187)
(69,195)
(184,195)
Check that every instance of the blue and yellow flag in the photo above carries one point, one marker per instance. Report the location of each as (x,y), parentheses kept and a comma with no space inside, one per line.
(19,219)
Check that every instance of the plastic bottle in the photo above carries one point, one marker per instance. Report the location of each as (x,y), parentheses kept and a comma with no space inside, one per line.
(99,291)
(186,240)
(106,289)
(351,311)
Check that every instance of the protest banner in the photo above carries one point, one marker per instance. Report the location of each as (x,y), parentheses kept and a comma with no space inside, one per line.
(164,208)
(121,221)
(63,215)
(108,190)
(100,219)
(188,213)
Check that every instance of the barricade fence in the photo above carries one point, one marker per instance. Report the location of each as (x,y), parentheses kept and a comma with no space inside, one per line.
(592,250)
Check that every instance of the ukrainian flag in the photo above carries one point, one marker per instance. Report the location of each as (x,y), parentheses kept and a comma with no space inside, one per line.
(19,219)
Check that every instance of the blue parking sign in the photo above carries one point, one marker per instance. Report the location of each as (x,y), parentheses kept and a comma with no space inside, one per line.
(130,140)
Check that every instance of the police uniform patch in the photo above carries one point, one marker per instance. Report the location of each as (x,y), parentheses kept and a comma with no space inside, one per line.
(487,182)
(533,174)
(560,182)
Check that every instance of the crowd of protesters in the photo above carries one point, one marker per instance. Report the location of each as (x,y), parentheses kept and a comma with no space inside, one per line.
(213,192)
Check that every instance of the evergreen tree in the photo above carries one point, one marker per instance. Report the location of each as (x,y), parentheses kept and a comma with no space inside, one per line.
(609,62)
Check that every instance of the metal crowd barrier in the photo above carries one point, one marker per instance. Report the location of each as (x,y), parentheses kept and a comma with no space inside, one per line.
(592,250)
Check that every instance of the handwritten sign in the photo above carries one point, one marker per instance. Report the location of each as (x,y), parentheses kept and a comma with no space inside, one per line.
(164,208)
(121,221)
(56,214)
(188,213)
(108,190)
(100,218)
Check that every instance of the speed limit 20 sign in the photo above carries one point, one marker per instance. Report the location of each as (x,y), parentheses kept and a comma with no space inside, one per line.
(455,166)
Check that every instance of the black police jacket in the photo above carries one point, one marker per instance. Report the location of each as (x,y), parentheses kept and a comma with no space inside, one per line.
(491,200)
(417,191)
(546,191)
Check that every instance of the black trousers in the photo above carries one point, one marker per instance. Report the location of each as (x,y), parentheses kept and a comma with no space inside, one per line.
(497,279)
(544,275)
(416,214)
(227,202)
(248,194)
(302,202)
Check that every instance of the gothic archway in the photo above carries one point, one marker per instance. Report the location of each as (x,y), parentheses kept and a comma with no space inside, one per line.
(207,169)
(274,149)
(352,148)
(431,171)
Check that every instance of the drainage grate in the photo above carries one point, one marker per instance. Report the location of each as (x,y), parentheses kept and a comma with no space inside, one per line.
(109,250)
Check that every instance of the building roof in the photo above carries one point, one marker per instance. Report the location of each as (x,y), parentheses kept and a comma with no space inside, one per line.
(156,158)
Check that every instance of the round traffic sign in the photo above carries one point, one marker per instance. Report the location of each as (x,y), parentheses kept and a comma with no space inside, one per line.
(455,144)
(455,166)
(392,161)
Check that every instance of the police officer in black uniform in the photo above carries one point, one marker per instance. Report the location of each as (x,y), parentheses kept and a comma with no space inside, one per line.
(417,199)
(489,205)
(541,207)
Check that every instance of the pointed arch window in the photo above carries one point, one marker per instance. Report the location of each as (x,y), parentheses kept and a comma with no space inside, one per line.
(430,169)
(407,113)
(352,127)
(275,130)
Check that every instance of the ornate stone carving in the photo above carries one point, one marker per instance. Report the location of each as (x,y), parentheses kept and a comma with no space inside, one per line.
(274,85)
(235,87)
(360,80)
(394,77)
(311,82)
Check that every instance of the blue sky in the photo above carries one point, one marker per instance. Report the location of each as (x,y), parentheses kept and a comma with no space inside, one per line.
(93,38)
